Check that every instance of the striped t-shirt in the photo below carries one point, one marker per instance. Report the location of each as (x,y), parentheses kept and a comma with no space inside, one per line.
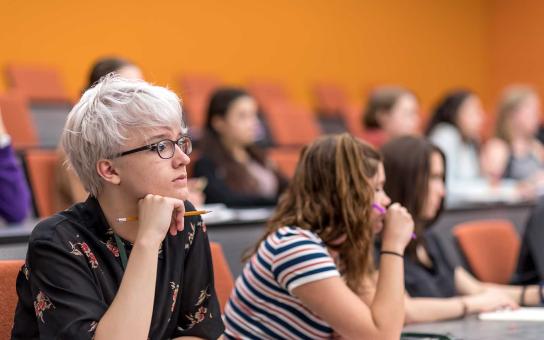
(262,305)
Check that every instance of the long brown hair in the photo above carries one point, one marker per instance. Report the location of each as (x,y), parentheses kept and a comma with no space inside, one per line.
(236,175)
(331,195)
(447,111)
(407,164)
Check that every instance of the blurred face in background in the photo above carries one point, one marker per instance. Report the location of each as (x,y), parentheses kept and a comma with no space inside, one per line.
(470,118)
(240,124)
(526,118)
(130,72)
(435,188)
(403,119)
(381,200)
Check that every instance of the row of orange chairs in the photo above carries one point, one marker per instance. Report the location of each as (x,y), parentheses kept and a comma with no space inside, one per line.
(290,123)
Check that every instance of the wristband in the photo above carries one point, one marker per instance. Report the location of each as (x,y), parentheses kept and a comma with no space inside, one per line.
(540,286)
(465,307)
(387,252)
(522,296)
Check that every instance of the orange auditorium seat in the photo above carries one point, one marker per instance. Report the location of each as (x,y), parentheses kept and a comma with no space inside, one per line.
(291,125)
(331,100)
(41,165)
(18,121)
(286,159)
(37,83)
(269,94)
(195,93)
(9,269)
(491,248)
(224,283)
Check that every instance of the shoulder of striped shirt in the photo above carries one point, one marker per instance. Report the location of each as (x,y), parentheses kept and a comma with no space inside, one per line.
(287,231)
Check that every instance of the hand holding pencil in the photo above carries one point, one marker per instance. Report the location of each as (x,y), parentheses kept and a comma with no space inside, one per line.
(158,215)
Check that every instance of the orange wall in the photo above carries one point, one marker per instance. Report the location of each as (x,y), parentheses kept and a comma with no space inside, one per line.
(517,44)
(427,45)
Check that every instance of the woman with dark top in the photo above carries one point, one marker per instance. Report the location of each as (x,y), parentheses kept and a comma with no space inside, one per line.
(415,173)
(124,264)
(237,170)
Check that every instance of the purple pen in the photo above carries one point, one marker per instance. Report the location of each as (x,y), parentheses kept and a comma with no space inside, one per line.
(379,208)
(382,211)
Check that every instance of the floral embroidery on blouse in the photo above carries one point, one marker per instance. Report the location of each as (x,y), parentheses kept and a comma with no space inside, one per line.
(42,304)
(175,289)
(86,250)
(190,237)
(200,313)
(203,225)
(197,317)
(112,247)
(26,271)
(202,297)
(92,327)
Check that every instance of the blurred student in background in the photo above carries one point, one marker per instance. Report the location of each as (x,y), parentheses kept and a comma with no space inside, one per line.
(238,172)
(14,193)
(518,119)
(304,277)
(455,127)
(415,173)
(122,67)
(390,112)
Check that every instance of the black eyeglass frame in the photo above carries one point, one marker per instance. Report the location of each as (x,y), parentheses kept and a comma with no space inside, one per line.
(155,147)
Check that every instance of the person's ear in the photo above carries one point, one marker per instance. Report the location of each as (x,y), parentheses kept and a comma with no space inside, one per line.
(107,171)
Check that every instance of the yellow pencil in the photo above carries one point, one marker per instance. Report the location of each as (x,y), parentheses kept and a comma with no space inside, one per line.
(187,214)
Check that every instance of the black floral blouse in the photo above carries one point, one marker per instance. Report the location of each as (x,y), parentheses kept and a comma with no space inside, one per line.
(73,270)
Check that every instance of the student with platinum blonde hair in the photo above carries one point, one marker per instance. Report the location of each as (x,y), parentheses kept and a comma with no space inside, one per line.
(126,263)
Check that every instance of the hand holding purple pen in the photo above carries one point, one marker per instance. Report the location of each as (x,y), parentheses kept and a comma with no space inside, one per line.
(383,210)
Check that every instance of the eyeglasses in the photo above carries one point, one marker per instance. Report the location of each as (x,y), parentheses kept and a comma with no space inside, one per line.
(165,148)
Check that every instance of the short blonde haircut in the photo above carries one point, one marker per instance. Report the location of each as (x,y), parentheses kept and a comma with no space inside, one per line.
(98,125)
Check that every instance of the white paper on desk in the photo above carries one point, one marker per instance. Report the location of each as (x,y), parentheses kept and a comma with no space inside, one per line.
(219,213)
(520,314)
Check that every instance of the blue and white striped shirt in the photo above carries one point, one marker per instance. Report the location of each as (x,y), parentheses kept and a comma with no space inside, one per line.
(262,305)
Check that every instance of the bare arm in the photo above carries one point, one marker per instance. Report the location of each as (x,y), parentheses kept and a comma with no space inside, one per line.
(465,283)
(531,296)
(127,317)
(468,284)
(433,309)
(382,320)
